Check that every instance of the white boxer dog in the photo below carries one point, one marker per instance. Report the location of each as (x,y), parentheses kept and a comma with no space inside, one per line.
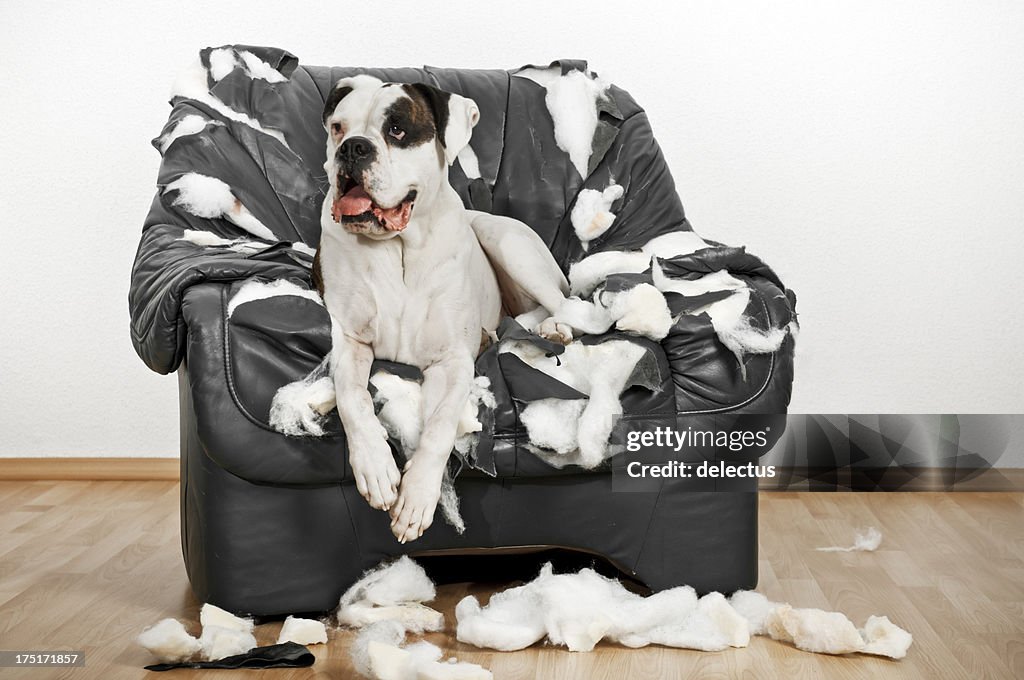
(409,275)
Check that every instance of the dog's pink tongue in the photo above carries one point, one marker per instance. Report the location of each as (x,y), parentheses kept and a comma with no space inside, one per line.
(355,202)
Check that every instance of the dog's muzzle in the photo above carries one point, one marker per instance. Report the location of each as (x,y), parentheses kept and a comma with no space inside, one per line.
(355,209)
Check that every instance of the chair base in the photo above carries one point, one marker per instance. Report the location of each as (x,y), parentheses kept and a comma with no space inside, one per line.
(268,550)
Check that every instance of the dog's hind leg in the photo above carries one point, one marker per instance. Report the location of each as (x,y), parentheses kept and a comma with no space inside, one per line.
(445,391)
(520,257)
(369,454)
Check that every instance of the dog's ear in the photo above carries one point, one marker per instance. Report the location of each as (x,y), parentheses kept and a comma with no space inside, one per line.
(454,115)
(337,94)
(342,89)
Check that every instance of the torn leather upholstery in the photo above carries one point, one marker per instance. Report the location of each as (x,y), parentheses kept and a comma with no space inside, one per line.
(271,523)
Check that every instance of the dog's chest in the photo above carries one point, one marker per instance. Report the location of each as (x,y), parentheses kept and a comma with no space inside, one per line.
(381,295)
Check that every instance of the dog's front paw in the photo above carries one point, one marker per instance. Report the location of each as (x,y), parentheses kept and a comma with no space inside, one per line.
(376,474)
(555,331)
(417,499)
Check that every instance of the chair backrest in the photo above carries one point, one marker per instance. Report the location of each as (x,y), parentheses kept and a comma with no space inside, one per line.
(266,142)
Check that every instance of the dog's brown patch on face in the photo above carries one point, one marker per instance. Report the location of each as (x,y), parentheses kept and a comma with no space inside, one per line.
(409,121)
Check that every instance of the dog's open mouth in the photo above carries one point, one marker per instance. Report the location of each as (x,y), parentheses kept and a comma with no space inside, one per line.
(354,206)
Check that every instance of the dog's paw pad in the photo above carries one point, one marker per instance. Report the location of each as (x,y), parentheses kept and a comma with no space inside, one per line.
(552,330)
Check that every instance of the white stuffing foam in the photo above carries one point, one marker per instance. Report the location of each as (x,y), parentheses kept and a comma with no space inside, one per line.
(211,198)
(511,620)
(737,333)
(867,540)
(709,283)
(452,670)
(202,195)
(609,366)
(259,69)
(303,248)
(200,237)
(579,610)
(224,634)
(383,632)
(585,275)
(391,592)
(728,316)
(641,310)
(302,631)
(554,423)
(400,408)
(884,638)
(411,616)
(169,642)
(401,664)
(755,608)
(254,290)
(219,642)
(599,371)
(299,408)
(398,582)
(591,216)
(222,63)
(390,662)
(673,244)
(711,626)
(207,239)
(449,504)
(572,102)
(480,394)
(191,84)
(212,615)
(400,411)
(469,163)
(466,439)
(188,125)
(384,659)
(814,630)
(744,338)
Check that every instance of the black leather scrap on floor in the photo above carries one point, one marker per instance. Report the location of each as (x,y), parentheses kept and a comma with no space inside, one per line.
(287,655)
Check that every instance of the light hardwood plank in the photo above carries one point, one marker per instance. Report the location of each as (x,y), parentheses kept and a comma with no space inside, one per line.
(88,564)
(135,469)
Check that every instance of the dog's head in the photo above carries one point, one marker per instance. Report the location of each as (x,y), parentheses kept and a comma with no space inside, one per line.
(389,145)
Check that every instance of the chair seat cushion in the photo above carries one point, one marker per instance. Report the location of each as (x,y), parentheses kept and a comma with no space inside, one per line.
(273,341)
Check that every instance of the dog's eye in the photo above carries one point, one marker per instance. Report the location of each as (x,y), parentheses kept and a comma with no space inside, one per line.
(336,128)
(396,132)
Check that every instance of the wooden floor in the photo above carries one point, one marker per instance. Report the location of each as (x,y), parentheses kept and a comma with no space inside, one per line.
(87,565)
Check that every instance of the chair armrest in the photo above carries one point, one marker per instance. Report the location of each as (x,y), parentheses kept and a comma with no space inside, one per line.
(707,375)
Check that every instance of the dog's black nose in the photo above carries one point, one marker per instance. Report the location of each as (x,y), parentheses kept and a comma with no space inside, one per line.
(355,149)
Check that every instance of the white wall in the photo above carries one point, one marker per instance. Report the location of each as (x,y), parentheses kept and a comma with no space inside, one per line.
(871,151)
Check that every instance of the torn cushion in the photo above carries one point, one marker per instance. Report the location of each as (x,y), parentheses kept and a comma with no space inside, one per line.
(283,313)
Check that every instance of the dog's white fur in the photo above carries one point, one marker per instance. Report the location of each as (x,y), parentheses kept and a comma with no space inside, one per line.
(421,296)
